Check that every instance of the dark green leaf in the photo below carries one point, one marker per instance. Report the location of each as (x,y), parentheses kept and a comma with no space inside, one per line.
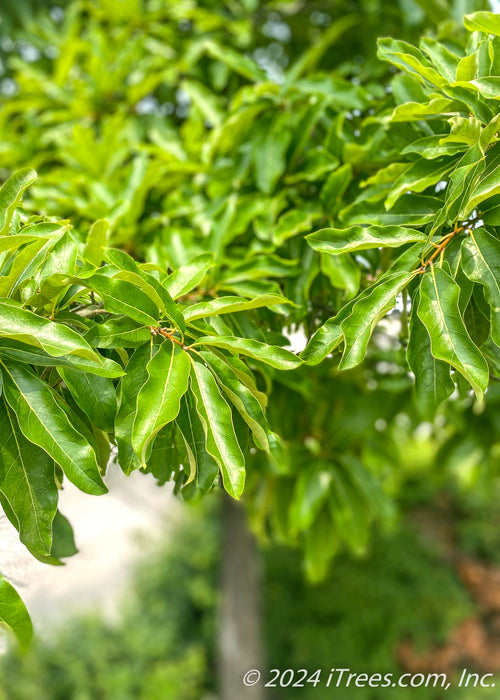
(439,312)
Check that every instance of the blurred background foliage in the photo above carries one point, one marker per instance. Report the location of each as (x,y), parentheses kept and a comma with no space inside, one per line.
(409,605)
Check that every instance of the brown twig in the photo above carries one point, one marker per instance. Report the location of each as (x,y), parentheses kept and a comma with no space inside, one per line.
(440,247)
(166,334)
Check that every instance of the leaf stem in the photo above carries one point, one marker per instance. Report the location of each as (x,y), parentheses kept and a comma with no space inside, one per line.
(440,248)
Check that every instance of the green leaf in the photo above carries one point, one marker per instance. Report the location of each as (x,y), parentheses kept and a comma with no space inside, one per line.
(27,483)
(420,175)
(416,111)
(24,264)
(323,342)
(189,276)
(130,385)
(368,309)
(229,304)
(118,332)
(338,241)
(342,271)
(481,264)
(13,613)
(123,297)
(43,422)
(158,399)
(461,182)
(269,354)
(35,356)
(444,60)
(54,338)
(132,272)
(203,467)
(410,59)
(241,397)
(43,232)
(486,22)
(10,195)
(463,130)
(236,61)
(433,382)
(312,489)
(488,186)
(431,147)
(439,311)
(96,396)
(467,67)
(294,222)
(487,87)
(409,210)
(269,148)
(321,544)
(165,456)
(221,441)
(335,186)
(96,242)
(63,543)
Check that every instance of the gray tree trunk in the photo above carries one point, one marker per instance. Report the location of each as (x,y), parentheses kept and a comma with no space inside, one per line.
(240,646)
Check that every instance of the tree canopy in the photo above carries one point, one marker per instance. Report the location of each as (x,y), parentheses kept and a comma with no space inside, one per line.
(203,199)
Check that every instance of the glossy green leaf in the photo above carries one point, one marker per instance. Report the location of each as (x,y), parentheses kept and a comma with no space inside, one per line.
(487,22)
(439,312)
(31,355)
(27,483)
(44,423)
(433,382)
(409,210)
(485,187)
(415,111)
(241,397)
(203,467)
(229,304)
(323,342)
(486,87)
(418,177)
(136,376)
(54,338)
(481,264)
(189,276)
(368,309)
(158,294)
(269,354)
(158,399)
(123,297)
(337,241)
(342,271)
(221,442)
(96,396)
(431,147)
(118,332)
(11,193)
(96,242)
(409,59)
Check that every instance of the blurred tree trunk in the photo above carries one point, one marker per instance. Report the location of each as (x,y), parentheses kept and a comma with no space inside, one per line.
(240,645)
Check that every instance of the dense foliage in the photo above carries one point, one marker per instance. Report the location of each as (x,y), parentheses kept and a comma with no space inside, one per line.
(202,199)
